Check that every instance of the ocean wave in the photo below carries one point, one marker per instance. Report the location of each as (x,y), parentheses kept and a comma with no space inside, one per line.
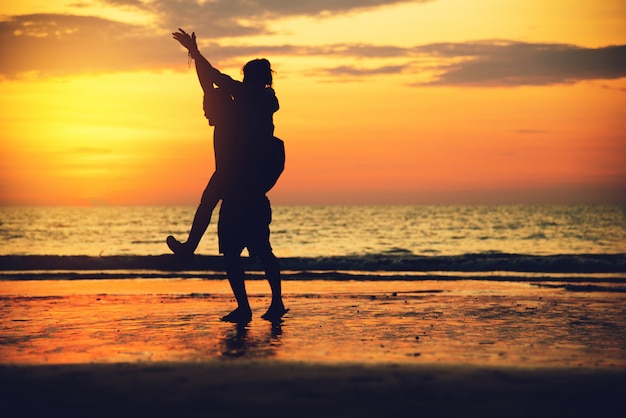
(397,261)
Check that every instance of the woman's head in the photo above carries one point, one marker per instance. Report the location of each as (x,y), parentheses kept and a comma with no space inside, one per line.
(258,73)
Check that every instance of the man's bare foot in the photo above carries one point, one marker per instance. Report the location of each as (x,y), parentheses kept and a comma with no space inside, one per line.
(275,312)
(238,316)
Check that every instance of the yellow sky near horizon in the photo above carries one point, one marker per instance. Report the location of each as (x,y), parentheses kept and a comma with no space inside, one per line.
(360,123)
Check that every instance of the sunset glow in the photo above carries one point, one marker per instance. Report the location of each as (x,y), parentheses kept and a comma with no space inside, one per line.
(441,101)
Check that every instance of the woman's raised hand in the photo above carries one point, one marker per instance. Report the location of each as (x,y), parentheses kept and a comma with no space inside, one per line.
(186,40)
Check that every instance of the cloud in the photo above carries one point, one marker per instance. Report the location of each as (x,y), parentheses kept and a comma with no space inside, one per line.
(219,18)
(498,63)
(354,71)
(505,63)
(531,131)
(66,44)
(91,150)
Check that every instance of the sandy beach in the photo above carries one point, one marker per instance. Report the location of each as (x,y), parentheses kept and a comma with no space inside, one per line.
(286,389)
(358,348)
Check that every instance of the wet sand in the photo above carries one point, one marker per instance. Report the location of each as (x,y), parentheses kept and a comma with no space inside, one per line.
(351,348)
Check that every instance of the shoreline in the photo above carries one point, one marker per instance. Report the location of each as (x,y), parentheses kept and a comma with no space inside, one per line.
(484,262)
(605,282)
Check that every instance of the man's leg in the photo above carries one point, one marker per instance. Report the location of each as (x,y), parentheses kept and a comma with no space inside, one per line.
(260,247)
(236,276)
(272,272)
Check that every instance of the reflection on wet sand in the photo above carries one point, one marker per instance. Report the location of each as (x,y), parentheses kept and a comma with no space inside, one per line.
(239,342)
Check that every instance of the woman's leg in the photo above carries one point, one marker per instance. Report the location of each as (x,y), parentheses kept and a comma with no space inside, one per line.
(201,220)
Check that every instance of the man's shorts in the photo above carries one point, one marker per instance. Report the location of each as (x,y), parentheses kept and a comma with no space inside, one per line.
(245,225)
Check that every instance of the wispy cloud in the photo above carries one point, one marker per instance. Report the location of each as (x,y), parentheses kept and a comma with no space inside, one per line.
(531,131)
(69,44)
(91,150)
(359,72)
(220,18)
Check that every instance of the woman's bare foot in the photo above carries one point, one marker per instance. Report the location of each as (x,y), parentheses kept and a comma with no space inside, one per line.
(178,248)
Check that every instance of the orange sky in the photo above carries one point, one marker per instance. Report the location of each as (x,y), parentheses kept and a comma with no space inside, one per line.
(442,101)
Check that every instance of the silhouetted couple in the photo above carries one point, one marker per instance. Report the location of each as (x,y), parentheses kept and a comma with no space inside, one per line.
(245,170)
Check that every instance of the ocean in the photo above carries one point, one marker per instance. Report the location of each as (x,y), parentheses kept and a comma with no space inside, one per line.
(528,239)
(326,231)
